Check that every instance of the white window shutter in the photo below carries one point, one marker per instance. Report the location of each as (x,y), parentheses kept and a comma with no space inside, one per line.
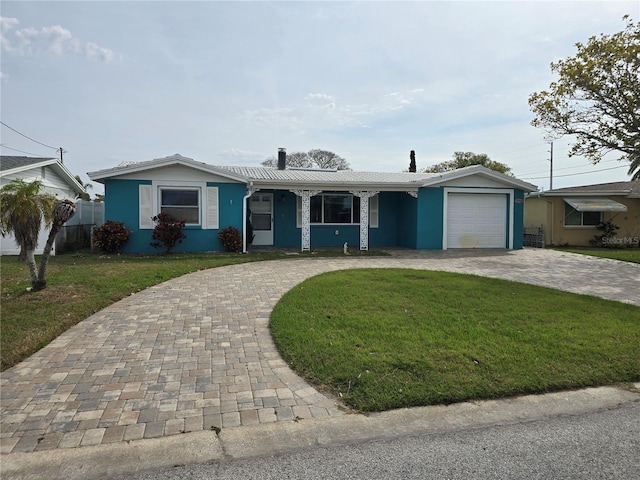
(373,211)
(298,212)
(213,216)
(145,201)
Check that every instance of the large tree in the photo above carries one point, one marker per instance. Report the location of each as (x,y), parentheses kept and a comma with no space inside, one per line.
(327,159)
(312,159)
(597,98)
(23,208)
(294,159)
(466,159)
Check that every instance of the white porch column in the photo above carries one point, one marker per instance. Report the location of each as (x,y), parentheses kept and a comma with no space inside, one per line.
(364,216)
(306,216)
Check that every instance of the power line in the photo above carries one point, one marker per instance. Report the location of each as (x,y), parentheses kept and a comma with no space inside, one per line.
(507,156)
(574,174)
(21,151)
(524,175)
(25,136)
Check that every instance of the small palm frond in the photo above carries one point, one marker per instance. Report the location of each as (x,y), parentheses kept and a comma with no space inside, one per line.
(22,204)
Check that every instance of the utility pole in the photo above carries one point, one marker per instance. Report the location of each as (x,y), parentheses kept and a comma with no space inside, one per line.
(61,160)
(551,168)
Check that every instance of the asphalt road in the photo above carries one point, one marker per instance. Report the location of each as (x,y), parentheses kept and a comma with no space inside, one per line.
(602,444)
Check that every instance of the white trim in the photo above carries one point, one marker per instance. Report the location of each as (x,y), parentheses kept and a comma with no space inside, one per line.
(211,217)
(503,191)
(208,203)
(176,159)
(507,180)
(185,185)
(145,207)
(197,189)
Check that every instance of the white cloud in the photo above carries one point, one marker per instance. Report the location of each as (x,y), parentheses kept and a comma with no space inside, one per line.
(53,39)
(7,23)
(322,111)
(240,152)
(320,96)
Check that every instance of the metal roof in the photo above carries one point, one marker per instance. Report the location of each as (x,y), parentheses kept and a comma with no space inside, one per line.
(301,178)
(324,176)
(595,204)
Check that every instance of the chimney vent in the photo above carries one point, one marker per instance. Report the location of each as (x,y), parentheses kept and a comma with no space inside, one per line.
(282,158)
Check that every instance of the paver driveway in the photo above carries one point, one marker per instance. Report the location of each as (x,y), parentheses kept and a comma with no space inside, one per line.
(195,352)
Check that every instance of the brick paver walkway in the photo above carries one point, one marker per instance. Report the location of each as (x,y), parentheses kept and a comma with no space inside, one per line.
(195,352)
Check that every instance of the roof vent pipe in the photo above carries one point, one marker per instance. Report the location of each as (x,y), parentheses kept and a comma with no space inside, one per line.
(282,158)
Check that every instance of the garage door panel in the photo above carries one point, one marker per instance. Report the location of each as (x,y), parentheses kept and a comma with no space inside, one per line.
(476,220)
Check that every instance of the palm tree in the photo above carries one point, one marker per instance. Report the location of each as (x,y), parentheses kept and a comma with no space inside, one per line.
(23,207)
(62,212)
(87,186)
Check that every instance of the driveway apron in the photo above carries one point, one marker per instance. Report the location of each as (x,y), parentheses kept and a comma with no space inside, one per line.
(195,353)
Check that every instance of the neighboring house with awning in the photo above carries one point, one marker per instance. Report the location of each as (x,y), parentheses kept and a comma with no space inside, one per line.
(569,216)
(472,207)
(56,178)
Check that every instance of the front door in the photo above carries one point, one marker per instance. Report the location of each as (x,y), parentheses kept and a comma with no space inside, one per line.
(261,205)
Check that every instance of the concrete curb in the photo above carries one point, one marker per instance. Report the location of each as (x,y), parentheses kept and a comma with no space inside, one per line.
(279,437)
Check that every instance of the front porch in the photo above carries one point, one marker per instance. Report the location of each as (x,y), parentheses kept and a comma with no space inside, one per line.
(305,219)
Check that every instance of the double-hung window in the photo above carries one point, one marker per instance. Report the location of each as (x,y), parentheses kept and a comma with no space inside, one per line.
(181,203)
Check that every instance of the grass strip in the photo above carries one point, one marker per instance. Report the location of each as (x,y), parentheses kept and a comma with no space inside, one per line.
(623,254)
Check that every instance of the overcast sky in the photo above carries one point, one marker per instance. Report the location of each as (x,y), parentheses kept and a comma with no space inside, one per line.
(227,83)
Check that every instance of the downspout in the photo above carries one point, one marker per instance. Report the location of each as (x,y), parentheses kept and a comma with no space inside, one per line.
(244,217)
(551,222)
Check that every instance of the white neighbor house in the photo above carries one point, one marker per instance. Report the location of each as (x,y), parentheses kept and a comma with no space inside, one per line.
(57,181)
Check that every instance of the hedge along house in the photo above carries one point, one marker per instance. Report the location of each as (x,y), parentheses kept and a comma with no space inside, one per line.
(472,207)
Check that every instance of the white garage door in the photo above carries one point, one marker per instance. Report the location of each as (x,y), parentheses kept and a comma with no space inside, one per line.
(476,220)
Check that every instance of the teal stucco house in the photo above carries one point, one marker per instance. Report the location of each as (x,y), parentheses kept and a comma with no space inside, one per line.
(472,207)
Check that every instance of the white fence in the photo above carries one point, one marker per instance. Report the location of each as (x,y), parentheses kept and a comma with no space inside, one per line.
(77,232)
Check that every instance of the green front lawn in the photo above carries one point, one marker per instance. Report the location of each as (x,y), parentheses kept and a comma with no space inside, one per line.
(623,254)
(391,338)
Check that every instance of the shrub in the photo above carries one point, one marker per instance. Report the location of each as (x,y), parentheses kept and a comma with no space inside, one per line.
(609,231)
(231,239)
(167,232)
(110,236)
